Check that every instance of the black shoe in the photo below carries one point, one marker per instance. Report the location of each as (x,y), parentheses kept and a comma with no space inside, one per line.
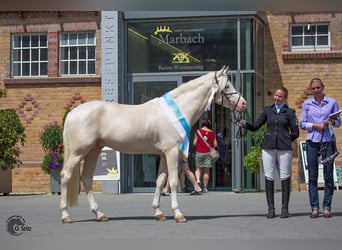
(270,214)
(195,193)
(284,213)
(185,190)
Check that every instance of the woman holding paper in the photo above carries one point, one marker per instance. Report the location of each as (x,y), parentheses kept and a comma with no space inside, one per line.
(321,144)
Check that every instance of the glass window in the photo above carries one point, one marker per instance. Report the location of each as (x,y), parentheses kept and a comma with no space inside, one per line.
(77,53)
(29,55)
(166,46)
(309,37)
(246,48)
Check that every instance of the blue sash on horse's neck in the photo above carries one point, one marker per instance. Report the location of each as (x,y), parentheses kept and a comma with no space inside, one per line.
(178,121)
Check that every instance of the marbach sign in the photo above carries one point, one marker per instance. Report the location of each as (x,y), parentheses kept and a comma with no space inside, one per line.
(163,32)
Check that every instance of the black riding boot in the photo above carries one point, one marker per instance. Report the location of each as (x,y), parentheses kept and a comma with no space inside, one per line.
(285,197)
(270,198)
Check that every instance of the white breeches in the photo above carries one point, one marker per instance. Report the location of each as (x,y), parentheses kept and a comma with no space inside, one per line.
(277,160)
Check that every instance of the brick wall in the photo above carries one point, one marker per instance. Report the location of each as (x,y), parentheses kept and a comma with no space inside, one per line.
(31,179)
(295,72)
(41,101)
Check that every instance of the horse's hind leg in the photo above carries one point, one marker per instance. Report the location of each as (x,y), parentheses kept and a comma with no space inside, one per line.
(87,179)
(69,182)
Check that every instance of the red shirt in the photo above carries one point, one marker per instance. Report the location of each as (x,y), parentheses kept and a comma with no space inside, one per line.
(201,147)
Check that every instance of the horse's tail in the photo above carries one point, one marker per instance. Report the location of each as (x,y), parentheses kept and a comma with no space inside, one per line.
(74,181)
(74,187)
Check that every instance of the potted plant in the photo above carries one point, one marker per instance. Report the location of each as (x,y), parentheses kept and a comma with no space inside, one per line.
(51,139)
(12,132)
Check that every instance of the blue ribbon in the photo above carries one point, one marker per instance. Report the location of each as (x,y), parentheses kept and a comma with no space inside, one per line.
(169,100)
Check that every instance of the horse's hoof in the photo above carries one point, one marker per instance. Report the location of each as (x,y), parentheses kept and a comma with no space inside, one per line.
(180,218)
(160,217)
(103,218)
(67,219)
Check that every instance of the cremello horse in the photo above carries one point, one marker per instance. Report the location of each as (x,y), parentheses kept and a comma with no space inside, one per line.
(160,126)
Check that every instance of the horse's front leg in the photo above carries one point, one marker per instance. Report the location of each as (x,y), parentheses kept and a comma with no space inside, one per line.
(172,167)
(158,214)
(173,179)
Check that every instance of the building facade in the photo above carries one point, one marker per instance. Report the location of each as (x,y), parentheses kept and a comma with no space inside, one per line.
(51,61)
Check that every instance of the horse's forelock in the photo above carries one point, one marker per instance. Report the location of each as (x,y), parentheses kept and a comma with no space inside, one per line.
(224,82)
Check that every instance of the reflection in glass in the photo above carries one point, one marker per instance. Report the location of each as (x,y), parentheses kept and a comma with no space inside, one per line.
(199,45)
(146,165)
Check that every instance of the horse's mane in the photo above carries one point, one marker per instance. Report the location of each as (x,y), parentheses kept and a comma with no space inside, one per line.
(190,85)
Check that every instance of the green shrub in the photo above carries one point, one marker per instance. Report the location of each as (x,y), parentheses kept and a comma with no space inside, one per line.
(51,137)
(12,132)
(251,161)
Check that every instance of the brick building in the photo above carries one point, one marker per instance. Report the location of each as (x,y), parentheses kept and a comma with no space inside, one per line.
(62,69)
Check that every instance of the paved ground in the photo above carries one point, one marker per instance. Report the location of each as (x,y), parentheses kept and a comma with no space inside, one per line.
(211,216)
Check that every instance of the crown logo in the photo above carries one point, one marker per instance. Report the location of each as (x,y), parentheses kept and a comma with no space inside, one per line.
(162,29)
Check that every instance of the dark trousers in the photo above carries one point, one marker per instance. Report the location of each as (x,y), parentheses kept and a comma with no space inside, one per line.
(313,150)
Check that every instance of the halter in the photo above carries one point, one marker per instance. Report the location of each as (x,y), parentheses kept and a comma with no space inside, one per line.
(236,116)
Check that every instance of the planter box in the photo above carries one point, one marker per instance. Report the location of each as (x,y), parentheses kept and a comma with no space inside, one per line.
(55,180)
(5,181)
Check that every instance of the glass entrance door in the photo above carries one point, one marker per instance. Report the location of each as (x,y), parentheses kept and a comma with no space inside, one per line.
(222,173)
(145,166)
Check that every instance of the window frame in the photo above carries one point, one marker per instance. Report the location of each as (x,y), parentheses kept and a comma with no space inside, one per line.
(19,61)
(309,30)
(73,51)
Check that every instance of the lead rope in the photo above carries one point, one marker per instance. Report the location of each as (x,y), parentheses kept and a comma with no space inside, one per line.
(237,117)
(323,149)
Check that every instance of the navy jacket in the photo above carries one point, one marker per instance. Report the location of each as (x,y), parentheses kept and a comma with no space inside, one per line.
(282,129)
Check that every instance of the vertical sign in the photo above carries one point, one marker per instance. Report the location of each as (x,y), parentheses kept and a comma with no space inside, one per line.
(320,181)
(110,55)
(108,166)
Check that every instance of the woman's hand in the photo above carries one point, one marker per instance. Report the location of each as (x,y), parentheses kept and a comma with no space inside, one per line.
(318,126)
(322,126)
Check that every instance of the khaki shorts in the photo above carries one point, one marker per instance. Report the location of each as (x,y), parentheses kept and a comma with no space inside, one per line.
(204,160)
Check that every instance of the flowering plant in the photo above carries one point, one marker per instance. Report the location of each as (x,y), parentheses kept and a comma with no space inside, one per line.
(56,160)
(52,161)
(51,139)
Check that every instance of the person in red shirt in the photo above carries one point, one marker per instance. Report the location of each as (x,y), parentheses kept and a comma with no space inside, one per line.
(202,158)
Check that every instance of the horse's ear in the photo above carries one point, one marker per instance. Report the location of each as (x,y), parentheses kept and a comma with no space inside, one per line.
(224,70)
(221,71)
